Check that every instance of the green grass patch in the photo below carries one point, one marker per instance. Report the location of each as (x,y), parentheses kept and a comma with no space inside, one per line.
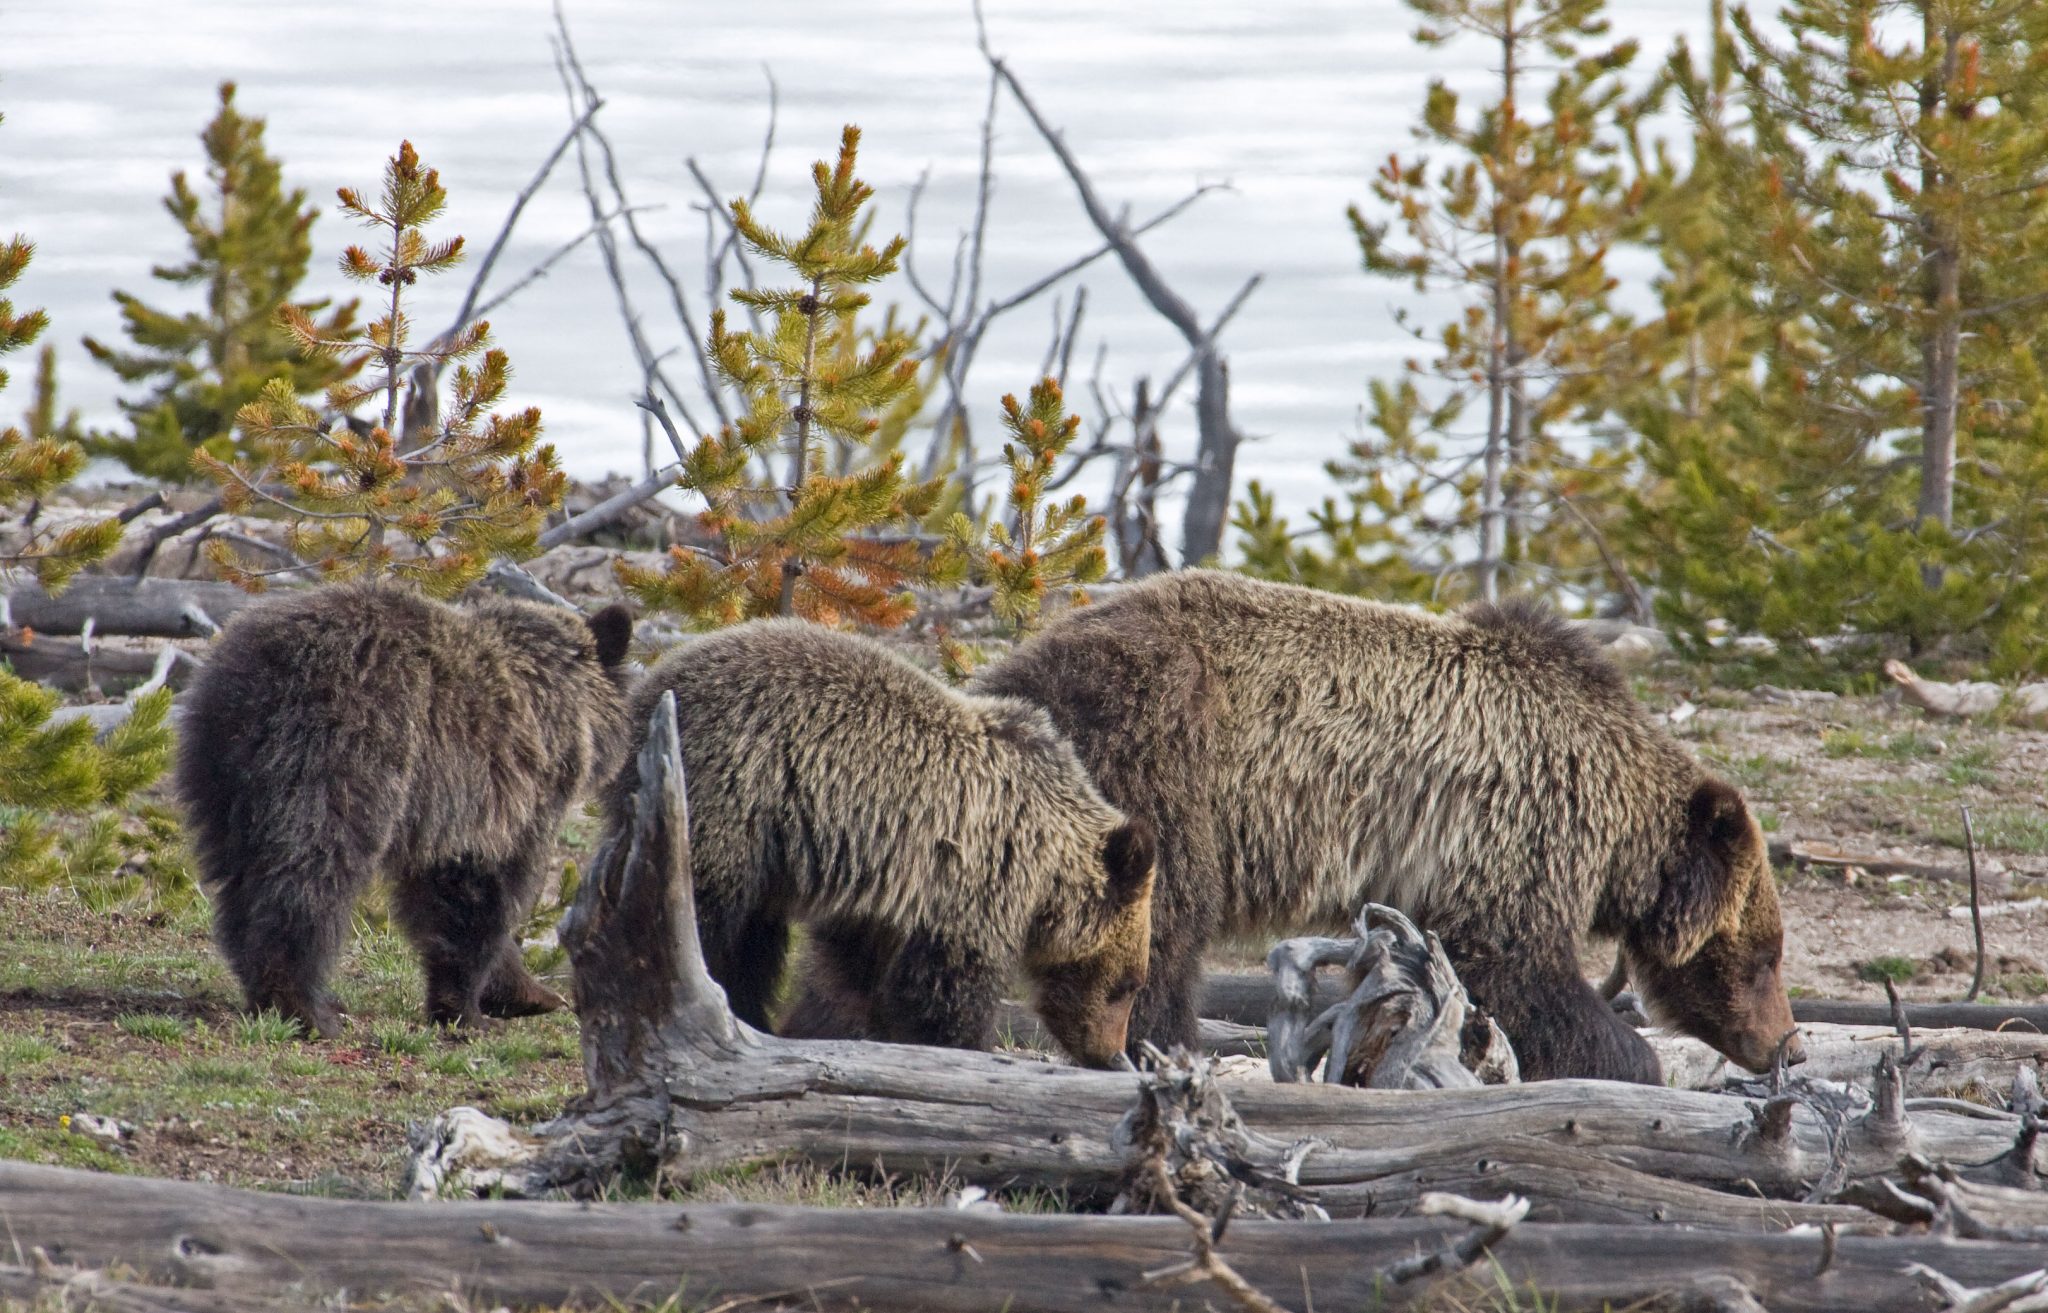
(266,1027)
(159,1026)
(1892,967)
(227,1073)
(403,1040)
(2005,827)
(24,1051)
(1971,767)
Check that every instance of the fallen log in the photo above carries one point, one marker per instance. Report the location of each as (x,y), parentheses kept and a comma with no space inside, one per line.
(141,608)
(1807,853)
(677,1085)
(1978,1065)
(1247,998)
(242,1245)
(64,663)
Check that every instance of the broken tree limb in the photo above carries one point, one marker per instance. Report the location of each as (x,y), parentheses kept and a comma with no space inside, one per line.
(2028,703)
(244,1245)
(1805,853)
(679,1086)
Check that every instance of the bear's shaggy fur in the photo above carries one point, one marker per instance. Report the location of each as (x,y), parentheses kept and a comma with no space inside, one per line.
(931,841)
(359,728)
(1488,773)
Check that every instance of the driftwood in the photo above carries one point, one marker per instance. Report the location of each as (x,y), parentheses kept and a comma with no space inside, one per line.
(141,608)
(2027,704)
(242,1246)
(1805,853)
(65,663)
(677,1086)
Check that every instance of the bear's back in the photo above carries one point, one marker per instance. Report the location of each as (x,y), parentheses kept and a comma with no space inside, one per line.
(364,700)
(1324,749)
(829,758)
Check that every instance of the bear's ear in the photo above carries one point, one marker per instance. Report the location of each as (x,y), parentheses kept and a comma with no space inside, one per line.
(1129,854)
(613,630)
(1700,879)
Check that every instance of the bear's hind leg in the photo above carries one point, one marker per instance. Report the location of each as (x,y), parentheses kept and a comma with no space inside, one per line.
(511,990)
(843,968)
(281,925)
(745,954)
(460,915)
(941,992)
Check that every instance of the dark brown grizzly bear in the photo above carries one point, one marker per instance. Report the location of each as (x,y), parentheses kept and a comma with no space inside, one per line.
(932,842)
(1488,773)
(359,728)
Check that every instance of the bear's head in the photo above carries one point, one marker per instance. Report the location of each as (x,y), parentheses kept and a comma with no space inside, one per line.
(1084,992)
(1706,954)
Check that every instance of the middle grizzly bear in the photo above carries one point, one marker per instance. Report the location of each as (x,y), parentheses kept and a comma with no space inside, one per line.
(1488,773)
(931,841)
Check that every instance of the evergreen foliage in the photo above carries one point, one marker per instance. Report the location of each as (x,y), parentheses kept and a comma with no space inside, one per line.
(52,772)
(1041,543)
(816,544)
(462,491)
(35,463)
(250,245)
(1518,222)
(1881,202)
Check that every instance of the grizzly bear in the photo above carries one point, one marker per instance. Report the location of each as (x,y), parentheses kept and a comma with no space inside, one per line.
(1488,773)
(931,842)
(360,728)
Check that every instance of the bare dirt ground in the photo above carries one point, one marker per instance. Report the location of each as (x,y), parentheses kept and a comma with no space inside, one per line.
(1870,776)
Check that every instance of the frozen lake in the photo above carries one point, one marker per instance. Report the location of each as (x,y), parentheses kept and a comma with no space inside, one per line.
(1293,102)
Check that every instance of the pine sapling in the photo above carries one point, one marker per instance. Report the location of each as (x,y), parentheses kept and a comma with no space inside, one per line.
(817,545)
(34,464)
(249,243)
(461,491)
(1041,543)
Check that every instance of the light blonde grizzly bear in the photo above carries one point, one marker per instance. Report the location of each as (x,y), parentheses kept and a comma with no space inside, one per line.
(1487,772)
(932,842)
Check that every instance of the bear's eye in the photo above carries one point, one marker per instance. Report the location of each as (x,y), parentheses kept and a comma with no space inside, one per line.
(1124,989)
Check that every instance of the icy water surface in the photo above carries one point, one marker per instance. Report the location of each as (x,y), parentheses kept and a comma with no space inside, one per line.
(1293,102)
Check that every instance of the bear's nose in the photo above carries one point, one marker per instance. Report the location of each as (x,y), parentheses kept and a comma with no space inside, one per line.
(1795,1051)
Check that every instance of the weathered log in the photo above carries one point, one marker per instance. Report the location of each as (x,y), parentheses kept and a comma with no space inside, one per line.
(678,1086)
(1805,853)
(242,1245)
(142,608)
(52,1286)
(1953,1064)
(64,663)
(1247,998)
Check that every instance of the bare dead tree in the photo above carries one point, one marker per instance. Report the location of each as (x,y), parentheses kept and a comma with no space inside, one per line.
(1217,437)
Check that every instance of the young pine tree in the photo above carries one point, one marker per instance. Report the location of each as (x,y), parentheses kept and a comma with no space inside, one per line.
(250,245)
(470,488)
(1040,543)
(51,772)
(1885,194)
(819,544)
(1518,222)
(36,463)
